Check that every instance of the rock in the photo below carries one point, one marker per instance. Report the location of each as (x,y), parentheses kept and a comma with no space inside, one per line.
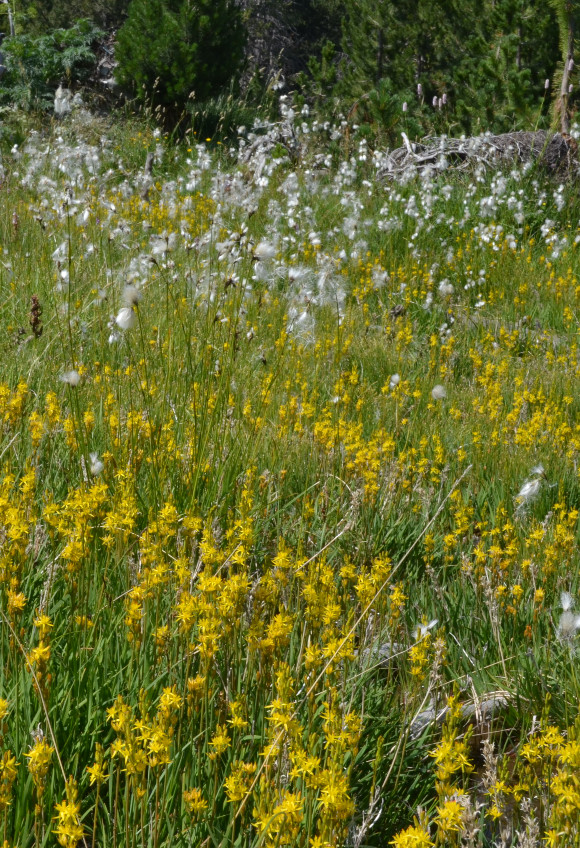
(480,712)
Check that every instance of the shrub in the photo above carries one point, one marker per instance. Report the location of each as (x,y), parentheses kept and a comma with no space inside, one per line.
(38,16)
(169,49)
(36,66)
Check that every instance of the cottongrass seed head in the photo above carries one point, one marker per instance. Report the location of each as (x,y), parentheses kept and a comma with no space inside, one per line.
(530,489)
(438,392)
(97,465)
(71,378)
(131,296)
(126,318)
(569,623)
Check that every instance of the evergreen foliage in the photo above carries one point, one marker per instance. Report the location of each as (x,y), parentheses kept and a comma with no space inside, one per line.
(171,50)
(488,60)
(460,66)
(38,16)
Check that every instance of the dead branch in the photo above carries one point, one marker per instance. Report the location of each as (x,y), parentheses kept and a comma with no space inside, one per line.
(555,152)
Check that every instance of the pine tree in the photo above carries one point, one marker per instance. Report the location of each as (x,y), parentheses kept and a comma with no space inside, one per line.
(489,59)
(171,50)
(501,87)
(369,30)
(36,17)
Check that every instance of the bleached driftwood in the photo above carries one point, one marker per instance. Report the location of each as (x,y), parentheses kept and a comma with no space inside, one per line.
(555,152)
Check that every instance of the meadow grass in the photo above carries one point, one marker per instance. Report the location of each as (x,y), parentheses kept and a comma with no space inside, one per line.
(289,495)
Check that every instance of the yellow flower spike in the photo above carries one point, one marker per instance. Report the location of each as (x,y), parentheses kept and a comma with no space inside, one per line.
(449,818)
(570,754)
(98,772)
(170,700)
(194,802)
(52,409)
(39,756)
(84,621)
(237,784)
(220,741)
(319,842)
(16,603)
(237,720)
(69,830)
(414,836)
(334,800)
(8,773)
(44,625)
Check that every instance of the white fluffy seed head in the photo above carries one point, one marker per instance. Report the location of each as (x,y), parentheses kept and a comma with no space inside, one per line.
(61,253)
(264,251)
(131,296)
(529,490)
(566,601)
(438,392)
(394,381)
(421,630)
(126,318)
(97,465)
(71,378)
(568,626)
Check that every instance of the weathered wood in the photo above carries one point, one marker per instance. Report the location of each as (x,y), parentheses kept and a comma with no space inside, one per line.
(556,152)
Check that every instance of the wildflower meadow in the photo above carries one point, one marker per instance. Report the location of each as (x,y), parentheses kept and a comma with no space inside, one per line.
(289,492)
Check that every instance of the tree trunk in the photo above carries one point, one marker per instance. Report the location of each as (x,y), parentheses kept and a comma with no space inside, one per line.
(568,65)
(10,18)
(380,56)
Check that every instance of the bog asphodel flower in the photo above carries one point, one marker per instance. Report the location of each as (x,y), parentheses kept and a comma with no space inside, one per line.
(449,818)
(8,772)
(39,758)
(194,802)
(98,771)
(69,830)
(414,836)
(220,741)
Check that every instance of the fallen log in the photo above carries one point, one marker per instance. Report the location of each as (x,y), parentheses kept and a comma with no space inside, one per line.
(555,152)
